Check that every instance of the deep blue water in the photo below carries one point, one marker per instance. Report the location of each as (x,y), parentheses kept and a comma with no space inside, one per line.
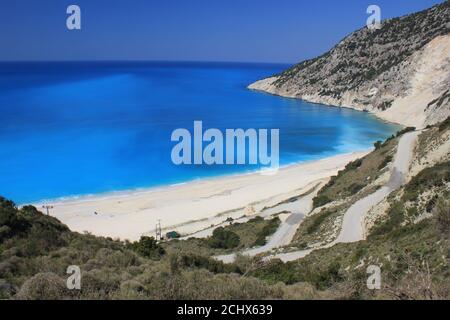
(84,128)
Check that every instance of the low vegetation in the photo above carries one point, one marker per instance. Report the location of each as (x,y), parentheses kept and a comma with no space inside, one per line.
(147,247)
(318,227)
(223,239)
(357,174)
(270,228)
(35,251)
(436,176)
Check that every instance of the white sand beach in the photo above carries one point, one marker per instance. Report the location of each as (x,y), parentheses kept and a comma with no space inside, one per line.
(190,207)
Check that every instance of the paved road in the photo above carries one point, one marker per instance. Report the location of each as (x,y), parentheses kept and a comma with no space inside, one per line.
(353,224)
(285,232)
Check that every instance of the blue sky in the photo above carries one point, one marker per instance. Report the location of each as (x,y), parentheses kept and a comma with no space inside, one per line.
(185,30)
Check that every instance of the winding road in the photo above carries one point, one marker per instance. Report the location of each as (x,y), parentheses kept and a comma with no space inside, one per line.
(285,232)
(353,224)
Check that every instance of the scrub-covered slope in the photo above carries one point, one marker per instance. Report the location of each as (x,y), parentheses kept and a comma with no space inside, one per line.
(400,72)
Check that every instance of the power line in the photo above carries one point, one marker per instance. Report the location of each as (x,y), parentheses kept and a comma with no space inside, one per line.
(158,230)
(47,208)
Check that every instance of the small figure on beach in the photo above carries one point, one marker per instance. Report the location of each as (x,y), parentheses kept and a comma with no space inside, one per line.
(249,211)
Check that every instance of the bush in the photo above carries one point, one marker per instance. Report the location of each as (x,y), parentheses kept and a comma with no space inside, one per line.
(442,214)
(11,222)
(354,188)
(100,283)
(224,239)
(354,165)
(268,230)
(43,286)
(6,289)
(201,285)
(403,131)
(256,219)
(444,124)
(148,247)
(323,279)
(117,258)
(321,200)
(435,176)
(395,218)
(197,261)
(431,204)
(318,219)
(131,289)
(385,162)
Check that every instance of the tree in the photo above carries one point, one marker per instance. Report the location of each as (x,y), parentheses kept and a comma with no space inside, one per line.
(224,239)
(148,247)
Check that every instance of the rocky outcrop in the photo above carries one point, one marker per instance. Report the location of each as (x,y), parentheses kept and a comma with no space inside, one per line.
(400,72)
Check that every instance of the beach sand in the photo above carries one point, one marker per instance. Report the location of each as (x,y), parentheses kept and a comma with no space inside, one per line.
(193,206)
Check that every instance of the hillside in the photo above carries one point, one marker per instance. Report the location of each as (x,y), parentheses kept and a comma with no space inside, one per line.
(400,72)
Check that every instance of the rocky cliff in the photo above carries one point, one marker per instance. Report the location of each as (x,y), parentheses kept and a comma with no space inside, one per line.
(400,72)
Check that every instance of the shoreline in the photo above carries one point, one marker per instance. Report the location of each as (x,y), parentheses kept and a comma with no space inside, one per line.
(259,86)
(189,206)
(138,190)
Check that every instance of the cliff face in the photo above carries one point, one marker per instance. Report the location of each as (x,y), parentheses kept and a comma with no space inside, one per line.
(400,72)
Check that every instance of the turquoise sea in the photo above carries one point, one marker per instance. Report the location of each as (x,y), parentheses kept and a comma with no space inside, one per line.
(77,128)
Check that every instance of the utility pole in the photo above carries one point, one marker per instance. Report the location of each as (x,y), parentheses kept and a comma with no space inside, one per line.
(158,230)
(47,208)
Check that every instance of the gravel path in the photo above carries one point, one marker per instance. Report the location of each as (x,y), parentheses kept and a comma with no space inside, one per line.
(353,223)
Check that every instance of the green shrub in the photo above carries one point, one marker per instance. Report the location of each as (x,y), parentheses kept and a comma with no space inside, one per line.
(354,165)
(11,222)
(255,219)
(224,239)
(148,247)
(444,124)
(442,214)
(318,219)
(101,283)
(43,286)
(268,230)
(431,204)
(321,200)
(323,279)
(385,162)
(276,271)
(198,261)
(7,289)
(405,130)
(435,176)
(395,218)
(354,188)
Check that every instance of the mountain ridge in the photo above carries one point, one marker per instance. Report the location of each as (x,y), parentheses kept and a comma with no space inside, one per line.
(401,72)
